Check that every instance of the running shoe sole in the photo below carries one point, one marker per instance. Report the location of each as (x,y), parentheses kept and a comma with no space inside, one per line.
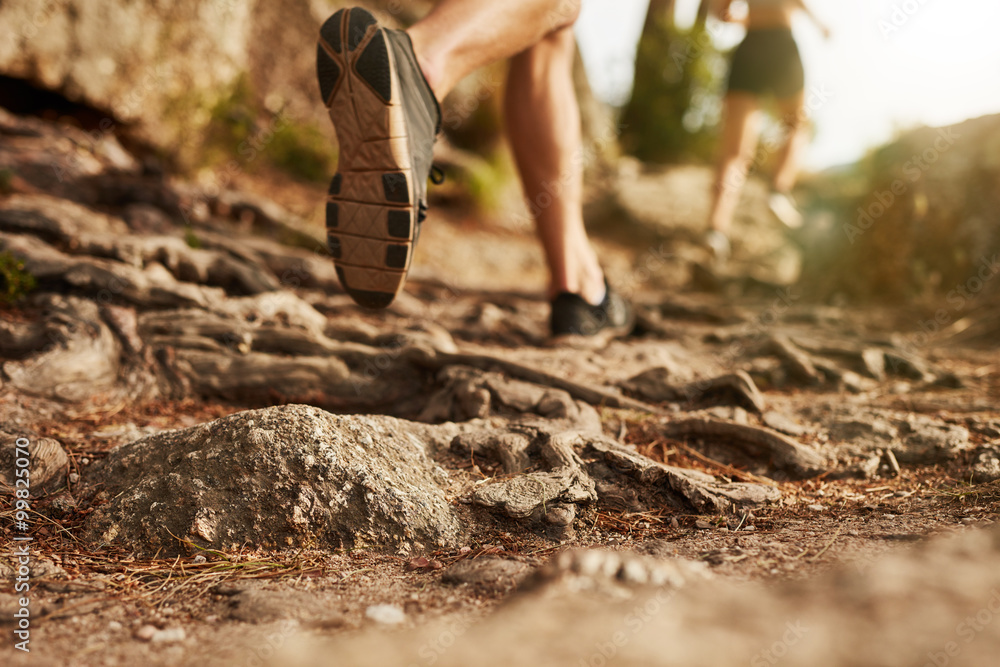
(371,211)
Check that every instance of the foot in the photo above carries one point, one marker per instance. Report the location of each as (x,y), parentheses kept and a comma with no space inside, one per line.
(573,316)
(718,246)
(386,118)
(784,209)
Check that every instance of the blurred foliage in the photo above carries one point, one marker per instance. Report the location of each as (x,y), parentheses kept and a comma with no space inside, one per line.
(191,238)
(297,150)
(676,99)
(489,181)
(6,181)
(914,220)
(240,132)
(15,282)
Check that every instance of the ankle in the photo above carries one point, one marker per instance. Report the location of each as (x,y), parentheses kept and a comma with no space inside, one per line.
(589,286)
(596,297)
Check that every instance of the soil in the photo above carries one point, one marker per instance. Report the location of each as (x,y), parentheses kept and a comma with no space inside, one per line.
(97,604)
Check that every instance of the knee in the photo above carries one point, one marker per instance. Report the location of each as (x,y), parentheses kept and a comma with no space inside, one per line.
(736,158)
(563,13)
(555,52)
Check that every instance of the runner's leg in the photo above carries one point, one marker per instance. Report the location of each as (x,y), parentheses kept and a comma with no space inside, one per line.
(543,124)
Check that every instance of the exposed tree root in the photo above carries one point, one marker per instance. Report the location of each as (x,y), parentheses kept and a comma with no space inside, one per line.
(593,395)
(731,389)
(761,443)
(580,468)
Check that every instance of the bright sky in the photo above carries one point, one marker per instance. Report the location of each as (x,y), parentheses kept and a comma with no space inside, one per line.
(891,64)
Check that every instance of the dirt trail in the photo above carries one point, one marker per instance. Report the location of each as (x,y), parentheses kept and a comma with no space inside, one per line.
(763,440)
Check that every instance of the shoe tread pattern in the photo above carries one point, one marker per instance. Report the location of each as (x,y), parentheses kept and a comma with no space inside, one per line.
(371,214)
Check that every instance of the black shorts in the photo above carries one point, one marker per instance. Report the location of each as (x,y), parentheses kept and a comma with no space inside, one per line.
(767,63)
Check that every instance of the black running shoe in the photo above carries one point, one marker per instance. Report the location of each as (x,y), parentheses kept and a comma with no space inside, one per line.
(573,316)
(386,118)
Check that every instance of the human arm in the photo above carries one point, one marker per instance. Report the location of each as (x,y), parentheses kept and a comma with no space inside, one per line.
(723,10)
(823,27)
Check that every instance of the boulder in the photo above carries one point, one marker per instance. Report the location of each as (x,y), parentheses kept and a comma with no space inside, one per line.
(160,69)
(289,476)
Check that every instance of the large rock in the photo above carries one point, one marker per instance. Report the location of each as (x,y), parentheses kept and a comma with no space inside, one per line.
(161,66)
(278,477)
(111,54)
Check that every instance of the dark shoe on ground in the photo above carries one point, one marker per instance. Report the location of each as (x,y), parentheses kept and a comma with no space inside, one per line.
(573,317)
(718,247)
(386,118)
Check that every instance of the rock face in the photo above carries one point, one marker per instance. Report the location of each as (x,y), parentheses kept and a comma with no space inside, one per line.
(110,54)
(277,477)
(160,68)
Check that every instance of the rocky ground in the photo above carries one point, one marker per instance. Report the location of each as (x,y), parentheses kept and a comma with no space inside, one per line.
(233,462)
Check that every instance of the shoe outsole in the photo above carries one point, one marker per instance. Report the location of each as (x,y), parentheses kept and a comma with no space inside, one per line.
(371,215)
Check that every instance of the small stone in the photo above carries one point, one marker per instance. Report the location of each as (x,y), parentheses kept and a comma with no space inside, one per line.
(49,461)
(634,571)
(146,632)
(418,563)
(464,550)
(253,605)
(561,515)
(421,563)
(168,635)
(385,614)
(114,626)
(332,621)
(74,478)
(702,525)
(200,559)
(230,588)
(658,548)
(485,571)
